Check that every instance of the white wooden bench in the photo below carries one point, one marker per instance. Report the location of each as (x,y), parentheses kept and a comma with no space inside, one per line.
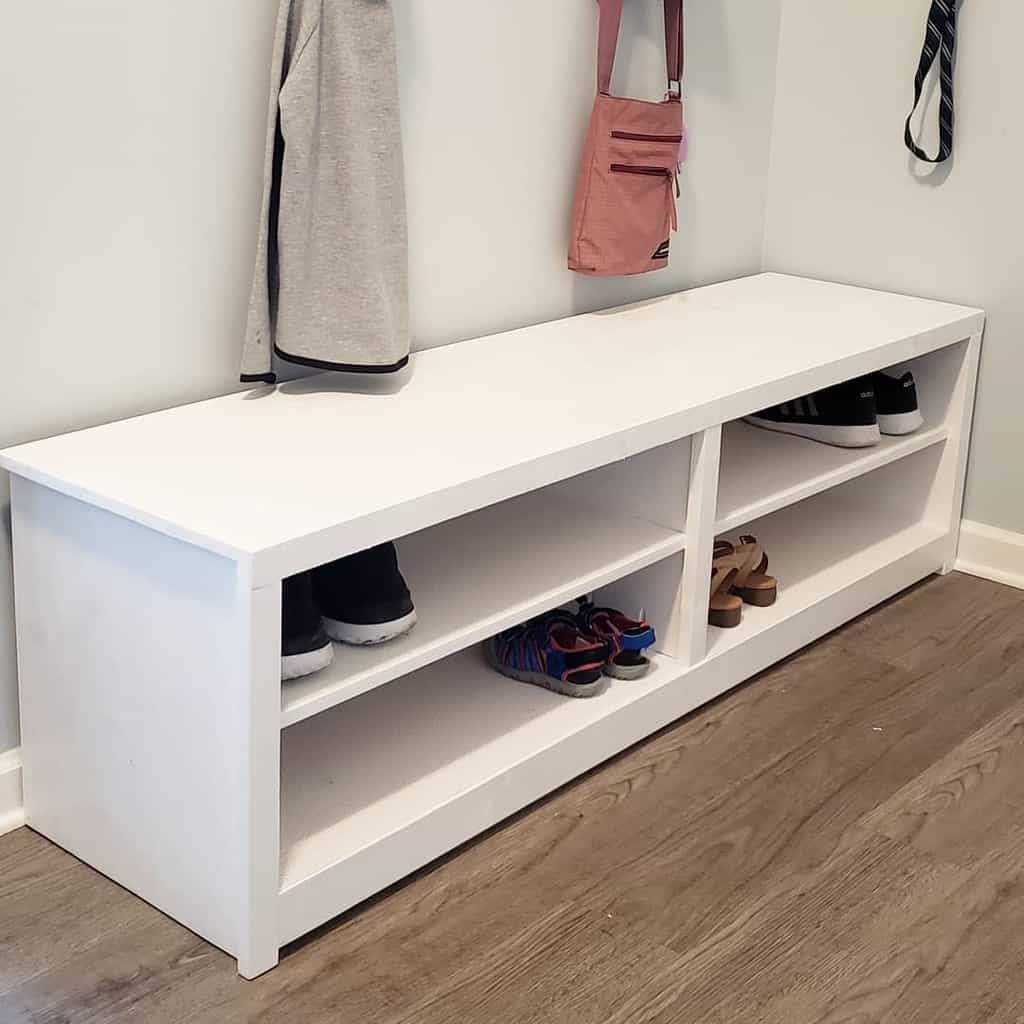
(597,453)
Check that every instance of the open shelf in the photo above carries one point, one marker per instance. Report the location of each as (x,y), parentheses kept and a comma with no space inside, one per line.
(830,542)
(476,575)
(763,471)
(356,775)
(807,584)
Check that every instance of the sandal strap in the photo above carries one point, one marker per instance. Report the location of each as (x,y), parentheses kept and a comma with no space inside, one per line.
(722,577)
(747,557)
(750,561)
(723,556)
(758,554)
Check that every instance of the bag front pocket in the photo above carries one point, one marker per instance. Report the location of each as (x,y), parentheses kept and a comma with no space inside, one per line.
(673,140)
(668,173)
(659,172)
(652,205)
(662,148)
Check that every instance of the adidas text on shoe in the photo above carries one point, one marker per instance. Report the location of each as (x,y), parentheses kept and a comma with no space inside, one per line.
(898,409)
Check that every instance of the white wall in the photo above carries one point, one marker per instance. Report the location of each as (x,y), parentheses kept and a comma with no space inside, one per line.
(132,163)
(848,203)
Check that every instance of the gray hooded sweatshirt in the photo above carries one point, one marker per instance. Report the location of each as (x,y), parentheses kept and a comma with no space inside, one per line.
(331,283)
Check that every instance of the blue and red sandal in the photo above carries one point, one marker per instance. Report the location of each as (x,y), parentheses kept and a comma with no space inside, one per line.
(627,639)
(551,651)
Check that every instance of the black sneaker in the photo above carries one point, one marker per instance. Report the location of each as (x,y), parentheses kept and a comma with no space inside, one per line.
(898,411)
(305,647)
(364,598)
(843,415)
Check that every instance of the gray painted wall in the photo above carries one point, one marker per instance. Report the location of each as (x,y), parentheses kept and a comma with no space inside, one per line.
(847,202)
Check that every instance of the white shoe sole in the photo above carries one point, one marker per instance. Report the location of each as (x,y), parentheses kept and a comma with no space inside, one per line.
(361,635)
(295,666)
(901,422)
(842,437)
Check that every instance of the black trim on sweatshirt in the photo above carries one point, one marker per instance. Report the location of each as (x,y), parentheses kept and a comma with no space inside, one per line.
(320,364)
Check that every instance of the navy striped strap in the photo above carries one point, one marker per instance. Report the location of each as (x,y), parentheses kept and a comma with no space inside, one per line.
(939,44)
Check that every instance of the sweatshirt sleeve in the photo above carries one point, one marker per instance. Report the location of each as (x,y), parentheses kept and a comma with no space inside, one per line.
(258,346)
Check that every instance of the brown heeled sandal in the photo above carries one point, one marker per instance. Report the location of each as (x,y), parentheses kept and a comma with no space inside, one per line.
(752,582)
(724,609)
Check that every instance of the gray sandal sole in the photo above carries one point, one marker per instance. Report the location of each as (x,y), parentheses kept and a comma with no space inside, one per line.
(628,671)
(594,689)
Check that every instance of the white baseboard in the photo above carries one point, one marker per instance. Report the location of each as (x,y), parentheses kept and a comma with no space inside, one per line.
(991,553)
(12,810)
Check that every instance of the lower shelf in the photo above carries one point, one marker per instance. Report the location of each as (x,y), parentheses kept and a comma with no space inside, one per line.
(387,782)
(372,765)
(819,547)
(805,583)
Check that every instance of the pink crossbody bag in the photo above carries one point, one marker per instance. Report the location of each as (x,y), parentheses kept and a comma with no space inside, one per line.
(625,209)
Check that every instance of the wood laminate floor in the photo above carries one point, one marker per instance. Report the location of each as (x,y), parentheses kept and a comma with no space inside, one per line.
(840,841)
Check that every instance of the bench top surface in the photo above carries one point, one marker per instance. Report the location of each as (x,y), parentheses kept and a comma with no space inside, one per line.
(481,420)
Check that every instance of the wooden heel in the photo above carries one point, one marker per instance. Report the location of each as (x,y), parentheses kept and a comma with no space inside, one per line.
(724,609)
(760,596)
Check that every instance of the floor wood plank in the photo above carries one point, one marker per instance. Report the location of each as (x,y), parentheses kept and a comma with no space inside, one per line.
(967,803)
(52,908)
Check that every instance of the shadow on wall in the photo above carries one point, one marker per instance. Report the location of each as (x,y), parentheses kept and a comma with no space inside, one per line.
(5,524)
(931,175)
(334,383)
(8,650)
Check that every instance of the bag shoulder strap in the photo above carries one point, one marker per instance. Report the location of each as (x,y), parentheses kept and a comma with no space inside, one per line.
(608,42)
(675,45)
(939,44)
